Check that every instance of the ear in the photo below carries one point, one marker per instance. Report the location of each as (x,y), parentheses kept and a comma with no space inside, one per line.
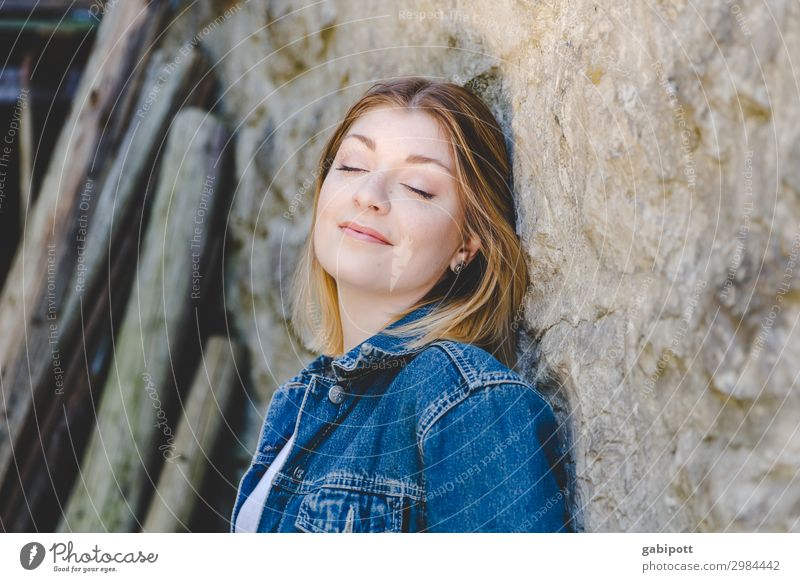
(472,244)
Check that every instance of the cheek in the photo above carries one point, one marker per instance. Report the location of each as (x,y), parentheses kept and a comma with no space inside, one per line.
(325,195)
(432,234)
(323,215)
(328,201)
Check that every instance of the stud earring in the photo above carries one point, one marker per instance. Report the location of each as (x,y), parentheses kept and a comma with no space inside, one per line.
(459,267)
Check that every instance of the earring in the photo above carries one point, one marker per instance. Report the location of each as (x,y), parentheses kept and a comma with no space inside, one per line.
(457,269)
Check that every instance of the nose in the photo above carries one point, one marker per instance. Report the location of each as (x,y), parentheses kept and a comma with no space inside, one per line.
(371,193)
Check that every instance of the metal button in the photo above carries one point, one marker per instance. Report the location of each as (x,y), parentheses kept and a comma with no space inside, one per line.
(366,349)
(336,394)
(298,473)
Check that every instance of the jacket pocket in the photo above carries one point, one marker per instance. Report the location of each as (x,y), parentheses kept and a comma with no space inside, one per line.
(335,510)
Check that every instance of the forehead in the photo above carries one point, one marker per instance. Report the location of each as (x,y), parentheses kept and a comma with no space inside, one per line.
(411,130)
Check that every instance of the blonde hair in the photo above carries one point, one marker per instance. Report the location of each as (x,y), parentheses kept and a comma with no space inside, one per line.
(477,306)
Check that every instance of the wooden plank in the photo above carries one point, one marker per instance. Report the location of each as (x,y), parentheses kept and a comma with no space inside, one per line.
(55,427)
(49,444)
(26,136)
(171,82)
(121,459)
(50,27)
(32,6)
(30,345)
(50,439)
(188,460)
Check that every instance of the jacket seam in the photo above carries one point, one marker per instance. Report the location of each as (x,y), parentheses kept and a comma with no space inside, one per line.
(291,385)
(343,479)
(463,366)
(474,382)
(463,396)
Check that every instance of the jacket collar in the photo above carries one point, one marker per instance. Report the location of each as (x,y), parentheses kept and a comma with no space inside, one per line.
(375,352)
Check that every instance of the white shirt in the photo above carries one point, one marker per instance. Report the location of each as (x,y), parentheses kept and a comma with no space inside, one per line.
(250,512)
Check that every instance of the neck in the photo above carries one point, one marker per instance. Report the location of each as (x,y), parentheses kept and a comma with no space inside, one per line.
(364,315)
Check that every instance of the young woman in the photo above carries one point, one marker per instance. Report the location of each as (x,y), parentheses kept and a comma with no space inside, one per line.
(411,420)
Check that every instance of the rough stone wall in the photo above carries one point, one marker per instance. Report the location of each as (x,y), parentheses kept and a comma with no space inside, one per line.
(655,151)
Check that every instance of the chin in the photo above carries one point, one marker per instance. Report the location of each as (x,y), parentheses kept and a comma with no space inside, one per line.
(362,279)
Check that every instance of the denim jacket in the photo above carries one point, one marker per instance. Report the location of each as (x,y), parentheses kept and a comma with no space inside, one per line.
(388,439)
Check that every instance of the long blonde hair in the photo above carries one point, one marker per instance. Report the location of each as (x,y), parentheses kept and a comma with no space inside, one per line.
(477,306)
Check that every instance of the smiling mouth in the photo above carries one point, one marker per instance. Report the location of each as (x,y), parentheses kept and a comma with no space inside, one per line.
(357,234)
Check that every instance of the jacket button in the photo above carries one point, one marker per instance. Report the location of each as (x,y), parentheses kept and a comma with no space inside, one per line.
(298,473)
(366,349)
(336,394)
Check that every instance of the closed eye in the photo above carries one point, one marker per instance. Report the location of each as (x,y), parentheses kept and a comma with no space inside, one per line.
(422,193)
(349,169)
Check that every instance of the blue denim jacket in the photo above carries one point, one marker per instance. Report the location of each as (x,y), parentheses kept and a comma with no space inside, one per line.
(442,439)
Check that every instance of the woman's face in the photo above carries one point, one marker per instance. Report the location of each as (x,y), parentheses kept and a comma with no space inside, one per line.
(394,174)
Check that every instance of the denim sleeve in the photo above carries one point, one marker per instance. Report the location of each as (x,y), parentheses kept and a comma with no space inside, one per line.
(490,464)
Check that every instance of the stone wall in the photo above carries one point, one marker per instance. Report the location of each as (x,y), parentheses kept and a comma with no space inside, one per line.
(655,157)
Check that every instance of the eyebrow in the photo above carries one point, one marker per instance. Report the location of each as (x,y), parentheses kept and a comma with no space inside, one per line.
(411,159)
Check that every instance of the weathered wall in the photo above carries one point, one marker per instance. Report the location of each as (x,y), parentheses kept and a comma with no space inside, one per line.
(653,148)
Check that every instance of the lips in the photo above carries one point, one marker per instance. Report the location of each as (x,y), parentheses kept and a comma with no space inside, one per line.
(363,232)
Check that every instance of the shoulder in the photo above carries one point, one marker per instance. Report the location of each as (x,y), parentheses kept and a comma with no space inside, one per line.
(449,375)
(476,365)
(460,367)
